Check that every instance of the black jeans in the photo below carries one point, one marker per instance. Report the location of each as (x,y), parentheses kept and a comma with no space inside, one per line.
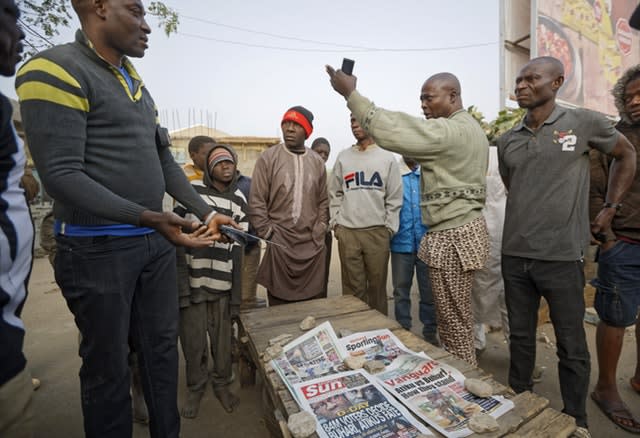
(562,285)
(118,287)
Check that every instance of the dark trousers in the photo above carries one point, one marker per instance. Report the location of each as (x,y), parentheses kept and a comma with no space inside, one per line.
(364,262)
(328,242)
(196,320)
(562,285)
(116,288)
(403,266)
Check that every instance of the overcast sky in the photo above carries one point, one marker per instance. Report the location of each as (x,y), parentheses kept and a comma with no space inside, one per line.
(264,67)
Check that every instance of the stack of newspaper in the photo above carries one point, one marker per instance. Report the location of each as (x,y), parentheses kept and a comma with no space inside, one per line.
(358,404)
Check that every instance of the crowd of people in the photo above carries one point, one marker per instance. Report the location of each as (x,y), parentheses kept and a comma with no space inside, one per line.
(482,228)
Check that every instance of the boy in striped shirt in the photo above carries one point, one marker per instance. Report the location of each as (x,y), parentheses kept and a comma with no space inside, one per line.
(209,287)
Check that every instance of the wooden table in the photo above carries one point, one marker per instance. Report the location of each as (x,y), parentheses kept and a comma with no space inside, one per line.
(531,417)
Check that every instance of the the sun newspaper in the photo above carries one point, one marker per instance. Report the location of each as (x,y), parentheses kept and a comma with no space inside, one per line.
(435,392)
(315,354)
(353,404)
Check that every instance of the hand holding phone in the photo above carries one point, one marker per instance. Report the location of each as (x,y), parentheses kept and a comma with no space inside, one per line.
(347,66)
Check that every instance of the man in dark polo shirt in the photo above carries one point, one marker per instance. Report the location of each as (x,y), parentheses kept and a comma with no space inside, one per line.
(544,163)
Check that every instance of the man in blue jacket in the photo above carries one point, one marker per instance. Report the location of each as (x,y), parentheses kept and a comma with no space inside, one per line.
(404,256)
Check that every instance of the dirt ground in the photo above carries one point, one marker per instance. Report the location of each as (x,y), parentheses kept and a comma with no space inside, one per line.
(51,349)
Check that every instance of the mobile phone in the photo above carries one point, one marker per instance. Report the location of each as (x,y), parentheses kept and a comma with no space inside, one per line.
(347,66)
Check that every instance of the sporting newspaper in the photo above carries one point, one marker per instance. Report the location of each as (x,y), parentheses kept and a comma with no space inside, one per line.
(353,404)
(315,354)
(380,345)
(435,392)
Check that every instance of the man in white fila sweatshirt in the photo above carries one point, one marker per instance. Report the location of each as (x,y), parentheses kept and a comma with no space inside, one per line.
(365,197)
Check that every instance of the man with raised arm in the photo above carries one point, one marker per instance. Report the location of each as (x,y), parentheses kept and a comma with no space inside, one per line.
(453,153)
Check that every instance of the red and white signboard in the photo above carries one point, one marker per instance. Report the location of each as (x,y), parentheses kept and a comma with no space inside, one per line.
(623,36)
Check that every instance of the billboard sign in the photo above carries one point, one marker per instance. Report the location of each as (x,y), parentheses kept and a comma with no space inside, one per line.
(594,41)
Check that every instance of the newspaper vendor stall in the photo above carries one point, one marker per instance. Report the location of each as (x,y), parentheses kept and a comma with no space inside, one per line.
(530,415)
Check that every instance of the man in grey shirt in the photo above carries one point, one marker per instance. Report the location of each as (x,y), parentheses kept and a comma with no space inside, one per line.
(544,163)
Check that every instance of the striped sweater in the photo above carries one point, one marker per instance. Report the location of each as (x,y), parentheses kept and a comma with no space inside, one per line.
(93,140)
(205,272)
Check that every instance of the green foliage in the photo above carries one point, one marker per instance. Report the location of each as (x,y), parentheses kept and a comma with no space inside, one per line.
(168,18)
(42,20)
(507,119)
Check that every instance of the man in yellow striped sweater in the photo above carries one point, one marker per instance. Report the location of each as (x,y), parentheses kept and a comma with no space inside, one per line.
(92,128)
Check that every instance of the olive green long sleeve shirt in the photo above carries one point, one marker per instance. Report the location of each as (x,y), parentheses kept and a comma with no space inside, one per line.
(453,154)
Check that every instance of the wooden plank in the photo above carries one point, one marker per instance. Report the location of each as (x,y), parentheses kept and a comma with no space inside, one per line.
(461,365)
(363,321)
(289,313)
(417,344)
(549,424)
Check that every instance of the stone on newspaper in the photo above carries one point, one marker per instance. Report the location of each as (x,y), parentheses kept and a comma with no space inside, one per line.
(355,362)
(308,323)
(302,424)
(483,423)
(272,352)
(283,339)
(478,388)
(374,366)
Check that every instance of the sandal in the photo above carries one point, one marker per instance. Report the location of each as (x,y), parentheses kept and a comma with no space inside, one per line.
(618,412)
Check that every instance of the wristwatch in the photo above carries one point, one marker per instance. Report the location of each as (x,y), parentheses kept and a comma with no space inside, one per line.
(615,205)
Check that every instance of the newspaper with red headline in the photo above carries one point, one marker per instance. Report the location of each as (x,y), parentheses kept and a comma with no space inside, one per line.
(435,392)
(354,404)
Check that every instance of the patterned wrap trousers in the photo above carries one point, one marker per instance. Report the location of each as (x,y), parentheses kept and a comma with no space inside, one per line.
(453,256)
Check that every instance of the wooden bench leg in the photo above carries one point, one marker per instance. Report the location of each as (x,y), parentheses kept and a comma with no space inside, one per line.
(246,366)
(246,369)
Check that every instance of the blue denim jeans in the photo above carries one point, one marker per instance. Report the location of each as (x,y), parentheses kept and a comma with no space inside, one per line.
(403,266)
(618,284)
(116,288)
(562,285)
